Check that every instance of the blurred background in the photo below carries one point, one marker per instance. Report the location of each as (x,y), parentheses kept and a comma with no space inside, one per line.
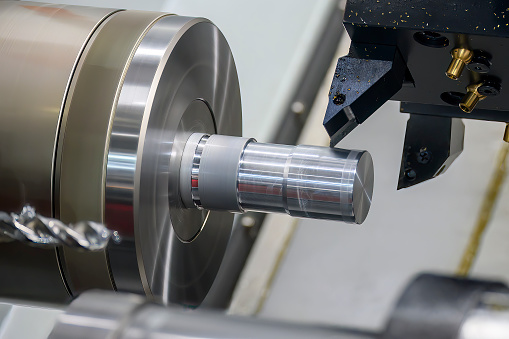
(325,272)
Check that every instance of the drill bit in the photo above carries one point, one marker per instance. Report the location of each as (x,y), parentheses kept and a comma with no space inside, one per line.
(34,229)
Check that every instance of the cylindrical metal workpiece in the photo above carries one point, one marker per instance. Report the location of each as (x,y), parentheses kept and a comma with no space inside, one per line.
(106,100)
(99,112)
(239,174)
(431,307)
(40,49)
(100,314)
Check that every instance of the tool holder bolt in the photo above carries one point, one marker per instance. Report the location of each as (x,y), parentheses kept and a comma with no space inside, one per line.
(472,97)
(460,57)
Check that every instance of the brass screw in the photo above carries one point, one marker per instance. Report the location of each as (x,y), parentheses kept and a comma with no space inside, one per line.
(471,99)
(506,133)
(460,57)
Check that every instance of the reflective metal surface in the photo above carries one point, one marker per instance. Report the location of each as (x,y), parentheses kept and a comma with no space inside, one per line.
(239,174)
(489,319)
(186,223)
(195,171)
(83,144)
(97,315)
(179,61)
(40,45)
(150,84)
(442,307)
(34,229)
(109,103)
(306,181)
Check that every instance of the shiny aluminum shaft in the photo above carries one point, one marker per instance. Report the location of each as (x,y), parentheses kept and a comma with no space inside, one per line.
(34,229)
(239,174)
(101,314)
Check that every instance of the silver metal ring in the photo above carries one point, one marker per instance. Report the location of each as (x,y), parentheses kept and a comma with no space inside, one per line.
(181,80)
(195,171)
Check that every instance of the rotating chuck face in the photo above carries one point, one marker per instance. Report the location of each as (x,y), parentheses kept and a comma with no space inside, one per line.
(106,99)
(142,133)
